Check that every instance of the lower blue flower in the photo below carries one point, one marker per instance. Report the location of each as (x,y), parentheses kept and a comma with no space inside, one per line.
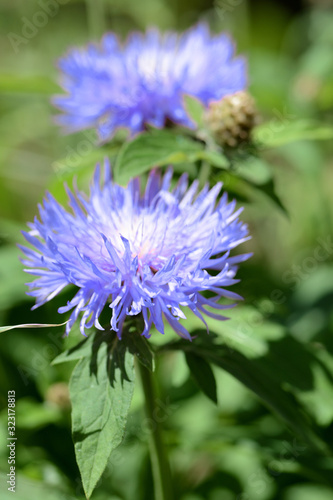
(148,253)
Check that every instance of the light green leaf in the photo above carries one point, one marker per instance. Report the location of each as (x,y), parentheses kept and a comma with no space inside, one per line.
(214,158)
(29,325)
(255,170)
(194,108)
(273,134)
(154,149)
(81,350)
(101,389)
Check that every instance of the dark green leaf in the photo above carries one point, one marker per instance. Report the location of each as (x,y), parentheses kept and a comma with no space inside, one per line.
(138,346)
(203,375)
(101,389)
(260,377)
(246,190)
(269,190)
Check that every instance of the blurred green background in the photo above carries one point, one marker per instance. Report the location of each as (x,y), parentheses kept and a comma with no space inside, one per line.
(238,450)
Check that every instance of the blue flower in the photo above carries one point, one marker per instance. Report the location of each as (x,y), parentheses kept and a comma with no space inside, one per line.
(151,254)
(144,82)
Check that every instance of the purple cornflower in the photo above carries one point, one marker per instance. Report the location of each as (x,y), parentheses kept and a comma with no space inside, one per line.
(149,254)
(144,81)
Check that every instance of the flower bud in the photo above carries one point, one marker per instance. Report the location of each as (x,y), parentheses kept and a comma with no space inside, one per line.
(232,118)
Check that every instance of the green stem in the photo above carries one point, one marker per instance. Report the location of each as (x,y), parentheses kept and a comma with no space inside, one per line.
(159,461)
(204,174)
(96,18)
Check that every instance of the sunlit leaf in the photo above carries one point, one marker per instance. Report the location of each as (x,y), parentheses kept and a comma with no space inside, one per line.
(154,149)
(81,350)
(30,325)
(101,389)
(194,108)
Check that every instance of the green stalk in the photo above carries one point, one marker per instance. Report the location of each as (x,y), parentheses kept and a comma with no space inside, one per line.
(96,18)
(204,174)
(159,461)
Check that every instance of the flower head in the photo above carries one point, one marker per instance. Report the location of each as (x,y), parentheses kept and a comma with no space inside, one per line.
(151,254)
(144,82)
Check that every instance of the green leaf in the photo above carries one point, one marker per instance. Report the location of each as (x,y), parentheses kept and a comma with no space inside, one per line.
(214,158)
(203,375)
(29,325)
(250,177)
(246,190)
(101,389)
(254,170)
(138,346)
(273,134)
(81,350)
(269,190)
(154,149)
(259,377)
(195,109)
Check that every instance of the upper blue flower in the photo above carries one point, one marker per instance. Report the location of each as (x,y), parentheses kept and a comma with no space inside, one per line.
(150,253)
(145,81)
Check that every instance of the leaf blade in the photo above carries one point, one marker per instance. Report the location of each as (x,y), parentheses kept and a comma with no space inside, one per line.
(203,375)
(98,427)
(153,149)
(30,325)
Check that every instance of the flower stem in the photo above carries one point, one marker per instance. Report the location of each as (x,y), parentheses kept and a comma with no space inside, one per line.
(96,18)
(204,174)
(159,461)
